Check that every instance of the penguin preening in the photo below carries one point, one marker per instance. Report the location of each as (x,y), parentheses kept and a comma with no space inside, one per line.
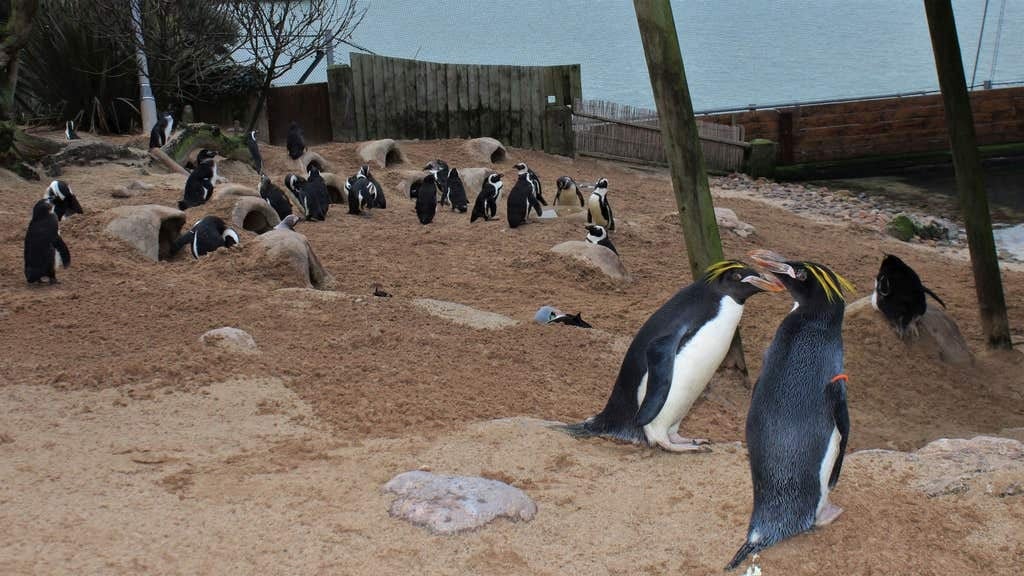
(426,200)
(798,424)
(296,143)
(566,184)
(205,236)
(64,201)
(362,194)
(521,199)
(486,204)
(45,250)
(900,295)
(440,170)
(314,197)
(275,197)
(69,131)
(199,185)
(455,191)
(599,211)
(161,131)
(378,198)
(596,234)
(534,181)
(254,151)
(673,357)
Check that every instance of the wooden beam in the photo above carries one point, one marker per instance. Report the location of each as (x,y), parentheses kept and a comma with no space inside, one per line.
(970,183)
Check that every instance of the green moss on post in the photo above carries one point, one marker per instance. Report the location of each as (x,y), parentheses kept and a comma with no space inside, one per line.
(210,136)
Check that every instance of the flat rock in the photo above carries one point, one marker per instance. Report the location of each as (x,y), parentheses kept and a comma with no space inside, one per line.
(229,338)
(953,466)
(465,315)
(596,256)
(452,504)
(727,219)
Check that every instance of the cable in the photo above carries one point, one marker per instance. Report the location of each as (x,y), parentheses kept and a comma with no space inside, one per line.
(995,51)
(977,53)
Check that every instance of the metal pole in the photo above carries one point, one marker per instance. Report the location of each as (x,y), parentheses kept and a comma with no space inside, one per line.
(147,103)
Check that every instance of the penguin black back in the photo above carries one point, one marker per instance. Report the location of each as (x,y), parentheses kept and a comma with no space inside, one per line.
(161,130)
(254,150)
(899,294)
(205,236)
(486,204)
(45,250)
(296,143)
(64,201)
(275,197)
(426,199)
(519,201)
(69,130)
(378,198)
(199,185)
(456,191)
(314,197)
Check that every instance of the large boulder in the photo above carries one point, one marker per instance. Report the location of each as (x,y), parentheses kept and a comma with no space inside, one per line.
(384,153)
(451,504)
(151,229)
(595,256)
(289,253)
(486,150)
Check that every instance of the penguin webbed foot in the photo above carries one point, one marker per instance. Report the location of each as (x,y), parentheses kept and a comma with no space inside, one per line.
(827,514)
(678,444)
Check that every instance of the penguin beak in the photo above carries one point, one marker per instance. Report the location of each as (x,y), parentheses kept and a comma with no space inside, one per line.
(770,284)
(772,262)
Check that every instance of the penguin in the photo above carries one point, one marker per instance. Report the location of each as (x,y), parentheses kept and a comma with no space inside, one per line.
(287,223)
(65,203)
(673,356)
(521,199)
(486,204)
(552,315)
(161,131)
(274,197)
(531,176)
(426,202)
(199,185)
(314,198)
(414,190)
(254,151)
(899,294)
(45,250)
(69,131)
(599,211)
(566,183)
(362,194)
(296,144)
(456,191)
(205,236)
(798,424)
(440,170)
(378,197)
(596,234)
(294,183)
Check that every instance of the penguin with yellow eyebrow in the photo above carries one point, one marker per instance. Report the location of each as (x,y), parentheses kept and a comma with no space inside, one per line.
(798,424)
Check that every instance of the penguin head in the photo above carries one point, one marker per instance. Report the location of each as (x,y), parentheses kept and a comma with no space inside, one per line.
(314,171)
(230,238)
(60,193)
(596,233)
(738,280)
(521,168)
(42,209)
(252,135)
(495,181)
(810,284)
(364,171)
(601,187)
(294,182)
(206,156)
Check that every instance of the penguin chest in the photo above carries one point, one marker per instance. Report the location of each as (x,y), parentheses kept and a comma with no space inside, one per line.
(594,206)
(694,365)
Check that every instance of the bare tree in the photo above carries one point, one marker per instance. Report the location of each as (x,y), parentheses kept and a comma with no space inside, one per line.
(281,34)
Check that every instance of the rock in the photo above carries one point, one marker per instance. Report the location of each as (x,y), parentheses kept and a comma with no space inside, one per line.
(486,150)
(299,164)
(86,152)
(406,178)
(335,184)
(935,332)
(727,219)
(233,191)
(464,315)
(596,256)
(384,153)
(939,229)
(473,180)
(289,252)
(151,229)
(230,339)
(953,466)
(452,504)
(254,215)
(901,227)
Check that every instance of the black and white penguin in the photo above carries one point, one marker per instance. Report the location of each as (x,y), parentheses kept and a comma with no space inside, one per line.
(296,144)
(426,202)
(673,357)
(362,194)
(378,197)
(567,184)
(254,150)
(440,170)
(899,294)
(456,191)
(531,176)
(161,131)
(205,236)
(599,211)
(596,234)
(486,204)
(199,185)
(314,197)
(45,250)
(294,182)
(521,199)
(552,315)
(64,201)
(275,197)
(798,424)
(69,131)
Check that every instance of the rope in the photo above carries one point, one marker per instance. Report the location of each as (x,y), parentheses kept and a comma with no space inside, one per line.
(981,35)
(999,34)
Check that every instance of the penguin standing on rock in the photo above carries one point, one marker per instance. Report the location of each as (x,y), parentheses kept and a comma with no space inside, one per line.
(426,199)
(456,191)
(673,357)
(161,131)
(64,201)
(274,197)
(254,151)
(486,204)
(199,185)
(69,131)
(599,211)
(798,424)
(899,294)
(296,143)
(521,199)
(205,236)
(596,234)
(45,250)
(567,184)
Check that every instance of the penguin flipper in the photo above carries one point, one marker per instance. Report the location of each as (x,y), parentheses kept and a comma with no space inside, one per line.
(580,196)
(62,249)
(933,295)
(661,355)
(182,241)
(836,392)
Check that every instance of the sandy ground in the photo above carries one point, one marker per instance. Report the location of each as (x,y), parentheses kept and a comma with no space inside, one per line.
(126,447)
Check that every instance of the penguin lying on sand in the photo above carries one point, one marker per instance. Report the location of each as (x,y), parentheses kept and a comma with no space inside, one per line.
(521,199)
(254,151)
(69,131)
(552,315)
(673,357)
(426,199)
(205,236)
(798,424)
(295,143)
(455,191)
(596,234)
(45,250)
(599,211)
(899,294)
(567,184)
(64,201)
(486,204)
(199,185)
(161,131)
(275,197)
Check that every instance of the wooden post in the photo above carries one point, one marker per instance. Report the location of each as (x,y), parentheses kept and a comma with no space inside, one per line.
(682,144)
(969,179)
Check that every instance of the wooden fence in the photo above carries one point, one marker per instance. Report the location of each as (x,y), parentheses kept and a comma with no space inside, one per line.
(307,104)
(399,98)
(618,132)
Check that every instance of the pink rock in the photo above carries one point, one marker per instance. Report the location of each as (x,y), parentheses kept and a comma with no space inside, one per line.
(451,504)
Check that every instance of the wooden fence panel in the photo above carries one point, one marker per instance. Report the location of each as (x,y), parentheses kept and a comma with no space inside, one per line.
(357,96)
(307,104)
